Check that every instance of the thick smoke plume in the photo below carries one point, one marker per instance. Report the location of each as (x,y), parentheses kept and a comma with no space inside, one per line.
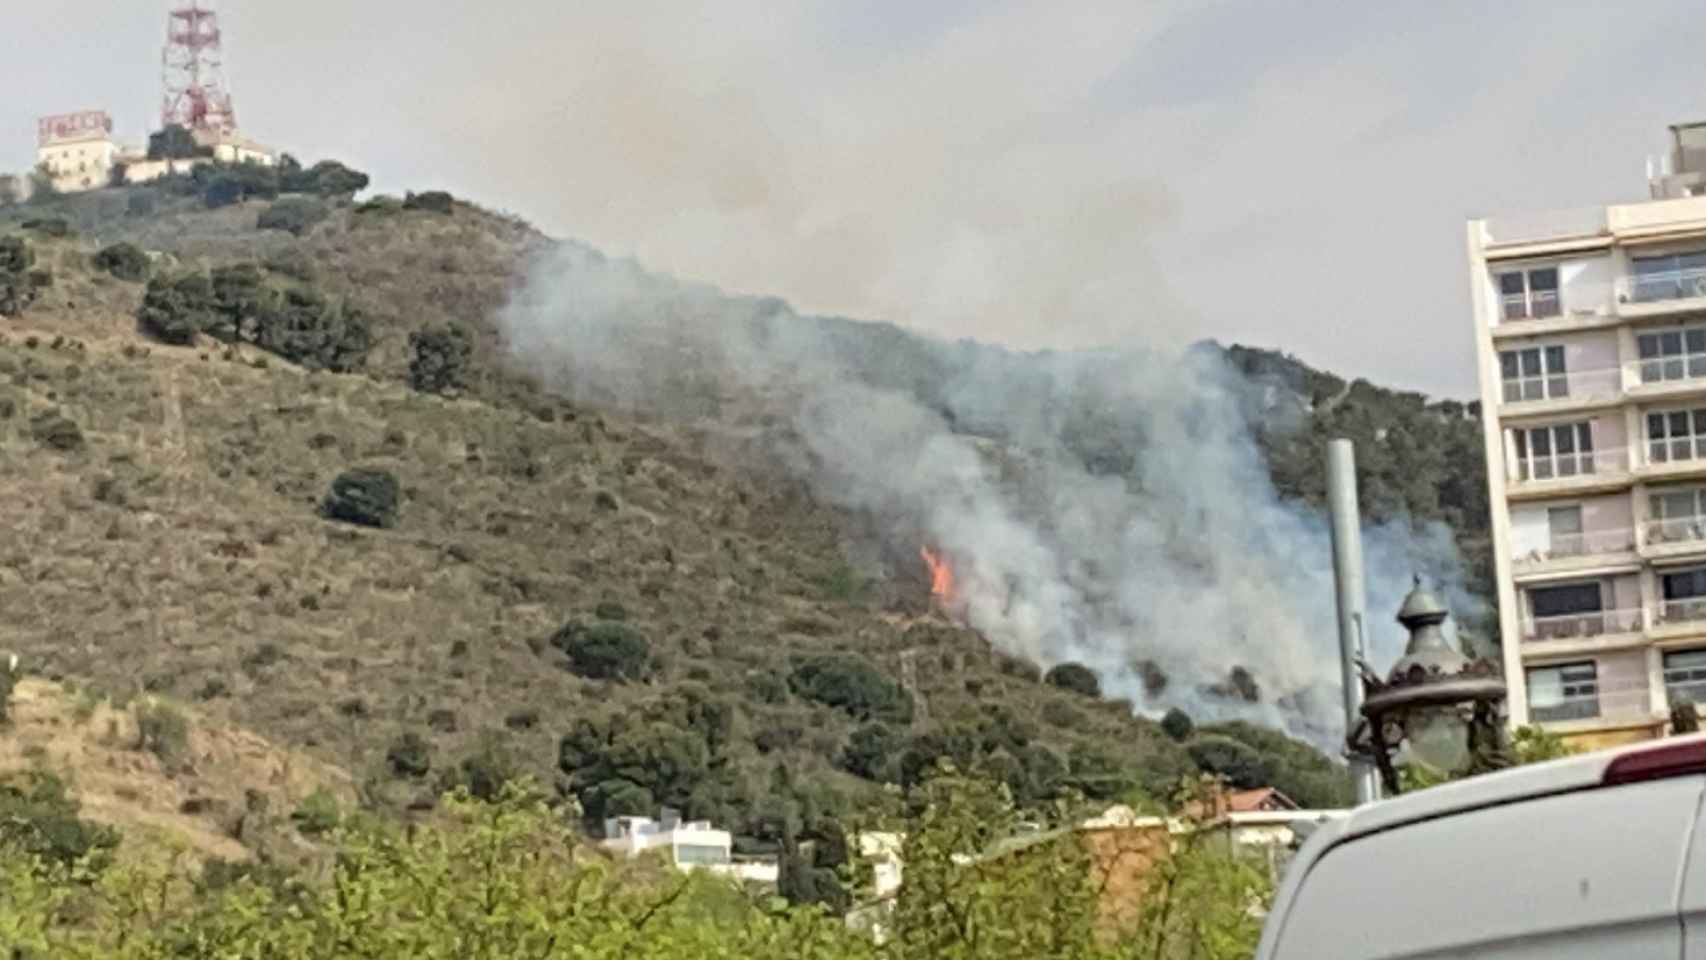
(1108,507)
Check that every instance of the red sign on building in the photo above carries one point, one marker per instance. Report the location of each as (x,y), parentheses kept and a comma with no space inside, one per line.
(67,126)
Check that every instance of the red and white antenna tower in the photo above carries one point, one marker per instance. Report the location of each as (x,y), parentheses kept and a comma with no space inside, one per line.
(194,78)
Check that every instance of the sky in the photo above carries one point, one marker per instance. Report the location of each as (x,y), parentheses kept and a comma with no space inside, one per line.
(1042,175)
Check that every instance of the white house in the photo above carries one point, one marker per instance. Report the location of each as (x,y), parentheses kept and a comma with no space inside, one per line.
(688,845)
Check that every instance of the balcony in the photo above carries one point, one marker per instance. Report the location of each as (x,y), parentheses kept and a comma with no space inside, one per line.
(1670,291)
(1686,612)
(1560,392)
(1674,536)
(1570,473)
(1582,626)
(1568,551)
(1628,702)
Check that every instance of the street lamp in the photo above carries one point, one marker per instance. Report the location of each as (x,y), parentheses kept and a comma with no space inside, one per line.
(1437,702)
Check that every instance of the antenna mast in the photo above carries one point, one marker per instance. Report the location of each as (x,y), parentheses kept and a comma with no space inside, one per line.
(195,95)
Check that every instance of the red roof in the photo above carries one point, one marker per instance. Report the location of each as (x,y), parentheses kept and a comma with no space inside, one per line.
(1265,798)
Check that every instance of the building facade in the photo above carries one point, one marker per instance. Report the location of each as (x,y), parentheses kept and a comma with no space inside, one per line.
(686,844)
(76,150)
(1590,331)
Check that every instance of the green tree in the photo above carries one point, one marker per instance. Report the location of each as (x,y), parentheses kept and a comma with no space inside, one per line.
(126,261)
(409,756)
(871,752)
(39,819)
(1075,677)
(18,288)
(242,299)
(851,684)
(176,308)
(174,142)
(1177,725)
(605,651)
(1237,762)
(306,328)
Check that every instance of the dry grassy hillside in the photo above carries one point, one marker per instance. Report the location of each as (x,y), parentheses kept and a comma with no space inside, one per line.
(178,551)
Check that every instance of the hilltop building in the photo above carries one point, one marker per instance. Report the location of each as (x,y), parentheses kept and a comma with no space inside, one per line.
(1590,332)
(78,151)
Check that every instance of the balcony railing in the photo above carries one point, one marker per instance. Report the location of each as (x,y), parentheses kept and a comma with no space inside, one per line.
(1688,610)
(1604,383)
(1587,544)
(1607,461)
(1670,368)
(1675,530)
(1533,305)
(1658,287)
(1622,701)
(1581,626)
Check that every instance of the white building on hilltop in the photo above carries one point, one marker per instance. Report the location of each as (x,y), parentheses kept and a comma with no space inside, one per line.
(687,844)
(76,150)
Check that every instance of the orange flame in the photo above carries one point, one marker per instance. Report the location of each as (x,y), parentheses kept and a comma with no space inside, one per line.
(941,575)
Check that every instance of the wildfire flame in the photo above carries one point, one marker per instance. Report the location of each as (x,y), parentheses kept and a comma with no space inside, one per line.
(941,575)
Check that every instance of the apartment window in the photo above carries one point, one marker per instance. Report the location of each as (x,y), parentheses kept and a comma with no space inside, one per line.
(1676,435)
(1565,525)
(1569,691)
(1672,354)
(1535,374)
(1530,293)
(1685,676)
(1684,593)
(1669,277)
(1677,515)
(1565,450)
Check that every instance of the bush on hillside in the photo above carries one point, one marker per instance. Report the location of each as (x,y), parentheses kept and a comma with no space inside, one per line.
(38,818)
(163,731)
(485,771)
(1177,725)
(175,309)
(432,201)
(306,328)
(57,227)
(409,756)
(242,300)
(17,288)
(328,178)
(175,142)
(605,651)
(1075,677)
(1296,769)
(293,215)
(222,190)
(56,431)
(440,359)
(852,685)
(126,261)
(364,496)
(871,752)
(1223,756)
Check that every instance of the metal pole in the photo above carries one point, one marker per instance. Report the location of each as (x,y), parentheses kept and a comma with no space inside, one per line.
(1347,577)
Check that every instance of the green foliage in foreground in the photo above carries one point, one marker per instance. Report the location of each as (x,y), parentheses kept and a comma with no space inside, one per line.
(510,878)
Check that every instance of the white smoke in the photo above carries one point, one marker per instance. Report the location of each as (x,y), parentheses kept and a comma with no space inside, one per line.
(1182,559)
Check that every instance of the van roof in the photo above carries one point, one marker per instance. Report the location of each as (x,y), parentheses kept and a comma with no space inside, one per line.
(1535,780)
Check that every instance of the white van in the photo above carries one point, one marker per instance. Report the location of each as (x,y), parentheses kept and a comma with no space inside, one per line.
(1599,855)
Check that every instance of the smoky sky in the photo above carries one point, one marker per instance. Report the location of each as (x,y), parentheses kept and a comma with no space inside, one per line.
(1032,174)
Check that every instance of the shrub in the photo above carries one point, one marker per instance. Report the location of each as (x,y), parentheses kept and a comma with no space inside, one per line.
(852,685)
(486,770)
(433,201)
(605,651)
(56,227)
(126,261)
(241,299)
(610,610)
(1238,763)
(175,309)
(174,142)
(17,287)
(442,720)
(38,818)
(318,814)
(306,328)
(1177,725)
(222,191)
(163,731)
(328,178)
(871,751)
(364,496)
(440,359)
(1075,677)
(54,430)
(409,756)
(293,215)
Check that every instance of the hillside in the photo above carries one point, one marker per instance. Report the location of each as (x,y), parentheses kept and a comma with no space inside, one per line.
(636,606)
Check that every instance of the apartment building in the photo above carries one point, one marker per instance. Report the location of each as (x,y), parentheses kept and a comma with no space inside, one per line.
(1590,329)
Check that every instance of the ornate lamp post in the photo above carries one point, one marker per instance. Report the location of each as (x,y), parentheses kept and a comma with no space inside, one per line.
(1440,704)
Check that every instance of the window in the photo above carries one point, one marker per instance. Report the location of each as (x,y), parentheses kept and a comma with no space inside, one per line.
(1676,435)
(700,853)
(1669,277)
(1530,293)
(1535,374)
(1677,515)
(1684,593)
(1685,676)
(1565,524)
(1672,354)
(1565,450)
(1568,691)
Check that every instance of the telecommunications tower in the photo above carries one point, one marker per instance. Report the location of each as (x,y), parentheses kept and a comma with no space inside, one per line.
(194,78)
